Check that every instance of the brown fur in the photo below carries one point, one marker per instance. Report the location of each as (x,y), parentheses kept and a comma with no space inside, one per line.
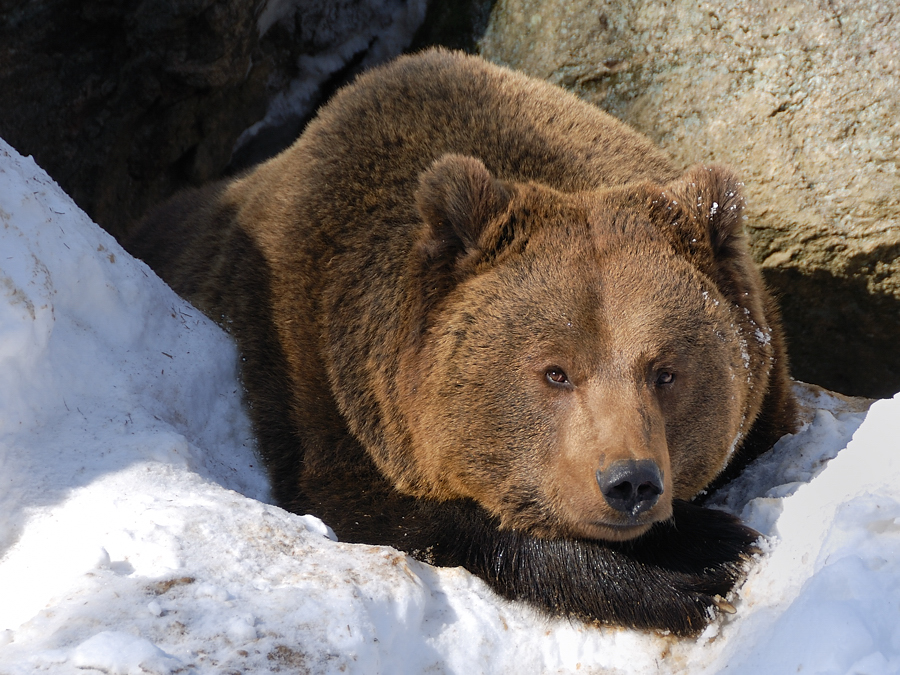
(403,279)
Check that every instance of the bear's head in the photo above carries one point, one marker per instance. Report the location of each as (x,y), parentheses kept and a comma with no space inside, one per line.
(579,360)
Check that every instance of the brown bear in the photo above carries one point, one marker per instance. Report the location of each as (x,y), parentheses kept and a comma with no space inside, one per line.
(487,324)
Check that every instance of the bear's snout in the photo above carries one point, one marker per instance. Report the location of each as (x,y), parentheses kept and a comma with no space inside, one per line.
(631,486)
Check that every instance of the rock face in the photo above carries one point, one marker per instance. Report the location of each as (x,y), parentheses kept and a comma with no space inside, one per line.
(321,45)
(125,103)
(455,24)
(803,100)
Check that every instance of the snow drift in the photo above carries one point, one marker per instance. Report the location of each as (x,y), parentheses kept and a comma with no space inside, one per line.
(136,537)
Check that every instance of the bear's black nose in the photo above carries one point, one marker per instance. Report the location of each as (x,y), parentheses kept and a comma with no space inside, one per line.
(631,486)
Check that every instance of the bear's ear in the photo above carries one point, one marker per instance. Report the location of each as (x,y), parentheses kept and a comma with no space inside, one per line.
(458,198)
(462,208)
(701,214)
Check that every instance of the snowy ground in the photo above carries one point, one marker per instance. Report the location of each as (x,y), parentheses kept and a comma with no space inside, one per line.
(135,536)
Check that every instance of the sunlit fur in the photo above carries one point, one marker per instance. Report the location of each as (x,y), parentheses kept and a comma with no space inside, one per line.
(400,281)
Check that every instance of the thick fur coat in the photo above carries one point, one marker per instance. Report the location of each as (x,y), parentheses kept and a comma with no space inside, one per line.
(488,324)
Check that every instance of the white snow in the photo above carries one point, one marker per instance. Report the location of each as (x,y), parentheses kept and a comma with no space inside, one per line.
(136,537)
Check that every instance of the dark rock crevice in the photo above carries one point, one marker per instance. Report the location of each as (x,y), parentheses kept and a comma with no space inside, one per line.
(126,103)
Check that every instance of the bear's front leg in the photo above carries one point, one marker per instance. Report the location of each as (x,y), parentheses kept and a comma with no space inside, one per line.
(668,579)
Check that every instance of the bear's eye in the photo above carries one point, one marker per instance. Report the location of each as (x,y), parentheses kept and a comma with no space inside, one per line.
(556,375)
(664,377)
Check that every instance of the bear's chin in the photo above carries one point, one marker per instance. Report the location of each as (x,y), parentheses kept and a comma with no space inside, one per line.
(600,529)
(605,532)
(611,532)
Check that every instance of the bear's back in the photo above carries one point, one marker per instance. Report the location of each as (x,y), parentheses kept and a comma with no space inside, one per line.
(343,195)
(382,131)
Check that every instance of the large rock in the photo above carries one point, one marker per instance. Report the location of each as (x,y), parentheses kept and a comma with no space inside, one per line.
(124,103)
(803,99)
(455,24)
(322,45)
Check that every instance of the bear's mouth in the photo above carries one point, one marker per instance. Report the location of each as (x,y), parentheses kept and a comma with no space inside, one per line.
(624,527)
(606,531)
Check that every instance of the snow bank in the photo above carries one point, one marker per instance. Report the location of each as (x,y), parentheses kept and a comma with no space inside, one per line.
(135,536)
